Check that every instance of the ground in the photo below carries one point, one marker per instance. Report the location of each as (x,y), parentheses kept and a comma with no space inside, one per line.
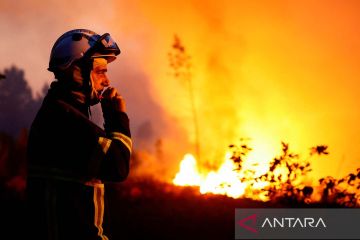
(148,209)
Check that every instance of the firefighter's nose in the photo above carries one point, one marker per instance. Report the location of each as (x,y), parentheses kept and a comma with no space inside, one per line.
(106,82)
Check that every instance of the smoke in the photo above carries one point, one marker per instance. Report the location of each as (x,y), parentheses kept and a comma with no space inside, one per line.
(270,71)
(30,29)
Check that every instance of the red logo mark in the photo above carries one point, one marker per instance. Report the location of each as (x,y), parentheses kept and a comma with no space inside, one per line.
(251,218)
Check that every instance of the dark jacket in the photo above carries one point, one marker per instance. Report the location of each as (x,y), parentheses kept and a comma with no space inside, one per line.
(69,160)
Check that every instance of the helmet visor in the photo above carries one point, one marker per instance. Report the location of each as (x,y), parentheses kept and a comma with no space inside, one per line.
(105,44)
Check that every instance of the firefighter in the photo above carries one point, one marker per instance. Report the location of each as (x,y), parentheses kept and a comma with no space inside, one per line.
(70,157)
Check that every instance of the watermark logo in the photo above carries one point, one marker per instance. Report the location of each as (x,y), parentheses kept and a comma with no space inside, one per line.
(243,223)
(293,222)
(301,223)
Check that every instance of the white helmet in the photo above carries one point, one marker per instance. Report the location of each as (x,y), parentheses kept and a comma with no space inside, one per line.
(81,43)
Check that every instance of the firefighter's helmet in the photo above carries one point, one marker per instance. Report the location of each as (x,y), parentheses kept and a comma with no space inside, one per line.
(81,43)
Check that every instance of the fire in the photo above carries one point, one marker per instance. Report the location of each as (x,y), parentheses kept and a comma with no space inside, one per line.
(188,174)
(226,180)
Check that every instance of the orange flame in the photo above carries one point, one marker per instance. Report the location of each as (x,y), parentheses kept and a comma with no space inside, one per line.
(226,180)
(188,174)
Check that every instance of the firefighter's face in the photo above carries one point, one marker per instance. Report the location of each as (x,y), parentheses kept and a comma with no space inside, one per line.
(98,75)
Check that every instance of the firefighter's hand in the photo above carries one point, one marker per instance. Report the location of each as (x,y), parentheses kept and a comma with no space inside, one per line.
(111,101)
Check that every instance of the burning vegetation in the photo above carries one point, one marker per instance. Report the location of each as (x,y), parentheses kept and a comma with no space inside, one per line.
(283,179)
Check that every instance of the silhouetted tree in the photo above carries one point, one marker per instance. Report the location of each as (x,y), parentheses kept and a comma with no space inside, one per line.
(17,105)
(13,162)
(180,63)
(7,151)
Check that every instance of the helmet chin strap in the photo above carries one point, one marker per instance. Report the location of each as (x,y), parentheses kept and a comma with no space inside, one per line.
(91,95)
(94,97)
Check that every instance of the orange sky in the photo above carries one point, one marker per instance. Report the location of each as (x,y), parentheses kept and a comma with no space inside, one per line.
(268,70)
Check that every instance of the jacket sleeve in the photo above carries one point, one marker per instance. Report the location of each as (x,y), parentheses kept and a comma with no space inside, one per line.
(117,146)
(90,152)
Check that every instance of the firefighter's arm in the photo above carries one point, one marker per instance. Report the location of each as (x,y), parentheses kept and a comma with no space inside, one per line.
(115,166)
